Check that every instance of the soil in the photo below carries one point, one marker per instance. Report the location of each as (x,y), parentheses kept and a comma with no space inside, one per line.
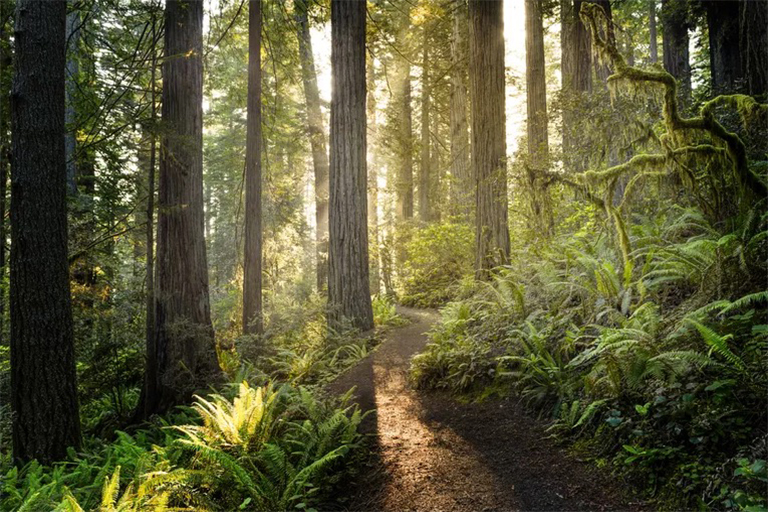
(432,453)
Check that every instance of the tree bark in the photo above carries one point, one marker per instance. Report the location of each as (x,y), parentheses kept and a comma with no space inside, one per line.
(461,189)
(6,61)
(674,21)
(404,182)
(724,54)
(72,38)
(184,357)
(602,71)
(316,141)
(43,380)
(536,94)
(753,42)
(373,186)
(486,72)
(150,229)
(425,169)
(576,54)
(252,307)
(349,294)
(654,38)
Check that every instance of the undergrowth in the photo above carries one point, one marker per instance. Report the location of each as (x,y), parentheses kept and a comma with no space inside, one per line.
(662,371)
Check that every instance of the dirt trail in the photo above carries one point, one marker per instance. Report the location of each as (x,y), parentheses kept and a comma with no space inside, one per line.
(434,454)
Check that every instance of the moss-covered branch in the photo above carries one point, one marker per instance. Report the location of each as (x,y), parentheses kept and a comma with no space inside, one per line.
(593,15)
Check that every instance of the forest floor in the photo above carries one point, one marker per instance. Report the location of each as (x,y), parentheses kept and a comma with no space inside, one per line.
(433,453)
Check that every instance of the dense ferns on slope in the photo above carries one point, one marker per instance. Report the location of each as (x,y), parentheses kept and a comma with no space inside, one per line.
(266,449)
(664,373)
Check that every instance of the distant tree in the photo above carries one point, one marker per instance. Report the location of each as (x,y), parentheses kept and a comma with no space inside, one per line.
(675,24)
(653,33)
(536,93)
(316,141)
(486,73)
(182,356)
(738,45)
(349,295)
(404,149)
(373,185)
(252,303)
(462,185)
(425,167)
(576,58)
(43,384)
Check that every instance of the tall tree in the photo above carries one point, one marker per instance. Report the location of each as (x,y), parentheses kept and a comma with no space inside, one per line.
(724,55)
(373,185)
(404,178)
(753,38)
(461,190)
(653,34)
(486,72)
(43,382)
(425,167)
(150,213)
(576,55)
(674,22)
(536,94)
(349,294)
(6,67)
(252,308)
(602,70)
(316,141)
(182,355)
(72,38)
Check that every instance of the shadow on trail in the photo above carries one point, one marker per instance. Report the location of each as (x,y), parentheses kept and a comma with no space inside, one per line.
(513,447)
(431,453)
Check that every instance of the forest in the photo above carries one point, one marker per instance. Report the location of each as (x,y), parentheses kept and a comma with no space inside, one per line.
(383,255)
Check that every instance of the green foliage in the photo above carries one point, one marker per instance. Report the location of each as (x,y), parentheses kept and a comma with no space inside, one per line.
(439,256)
(663,367)
(268,448)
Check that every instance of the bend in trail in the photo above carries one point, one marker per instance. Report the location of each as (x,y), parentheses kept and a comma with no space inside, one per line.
(432,453)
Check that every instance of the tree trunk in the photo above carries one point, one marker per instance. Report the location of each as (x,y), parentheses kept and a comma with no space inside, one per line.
(349,294)
(536,93)
(654,38)
(425,171)
(404,182)
(373,186)
(316,141)
(150,229)
(724,55)
(6,61)
(184,351)
(601,68)
(72,38)
(486,72)
(674,21)
(43,380)
(576,53)
(252,313)
(753,42)
(462,189)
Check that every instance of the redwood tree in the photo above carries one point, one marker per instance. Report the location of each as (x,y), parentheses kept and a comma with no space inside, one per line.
(349,295)
(181,357)
(486,72)
(43,383)
(674,22)
(316,141)
(252,307)
(462,190)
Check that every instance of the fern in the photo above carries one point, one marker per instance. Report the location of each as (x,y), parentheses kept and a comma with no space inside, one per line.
(719,345)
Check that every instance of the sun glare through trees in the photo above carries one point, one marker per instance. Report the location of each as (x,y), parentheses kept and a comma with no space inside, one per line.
(383,255)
